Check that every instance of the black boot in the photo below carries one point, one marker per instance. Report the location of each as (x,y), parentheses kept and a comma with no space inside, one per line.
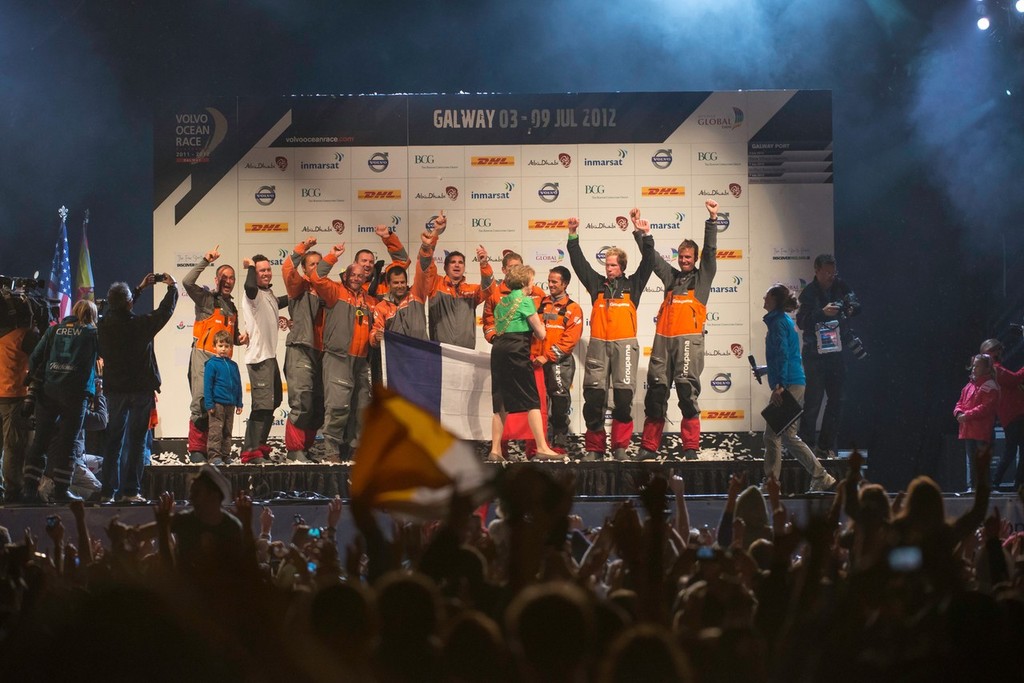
(30,492)
(61,494)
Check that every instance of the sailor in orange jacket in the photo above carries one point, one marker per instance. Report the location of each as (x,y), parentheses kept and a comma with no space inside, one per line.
(304,351)
(563,319)
(452,301)
(346,345)
(376,284)
(678,353)
(613,351)
(215,310)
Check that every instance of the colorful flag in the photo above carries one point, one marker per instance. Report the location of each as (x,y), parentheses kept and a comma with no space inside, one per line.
(83,280)
(407,462)
(452,383)
(59,286)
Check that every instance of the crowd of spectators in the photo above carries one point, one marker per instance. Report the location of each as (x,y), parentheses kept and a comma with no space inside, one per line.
(881,587)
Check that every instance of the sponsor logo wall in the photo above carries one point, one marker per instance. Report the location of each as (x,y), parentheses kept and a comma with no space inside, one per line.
(508,171)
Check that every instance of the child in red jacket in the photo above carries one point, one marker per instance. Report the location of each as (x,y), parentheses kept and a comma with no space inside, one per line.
(976,409)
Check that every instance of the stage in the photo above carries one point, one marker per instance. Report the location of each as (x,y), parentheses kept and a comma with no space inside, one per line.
(721,455)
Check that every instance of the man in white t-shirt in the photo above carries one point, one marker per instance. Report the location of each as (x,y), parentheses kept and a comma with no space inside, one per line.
(259,315)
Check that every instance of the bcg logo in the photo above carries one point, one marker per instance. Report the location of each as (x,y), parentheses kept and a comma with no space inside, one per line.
(423,159)
(311,192)
(593,189)
(481,222)
(707,156)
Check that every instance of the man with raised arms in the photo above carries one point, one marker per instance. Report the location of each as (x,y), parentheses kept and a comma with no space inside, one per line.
(304,352)
(451,300)
(215,311)
(678,352)
(346,347)
(613,351)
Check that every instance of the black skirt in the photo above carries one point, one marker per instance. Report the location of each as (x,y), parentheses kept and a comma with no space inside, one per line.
(513,384)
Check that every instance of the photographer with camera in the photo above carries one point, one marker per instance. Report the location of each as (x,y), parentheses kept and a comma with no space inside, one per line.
(132,377)
(23,318)
(826,306)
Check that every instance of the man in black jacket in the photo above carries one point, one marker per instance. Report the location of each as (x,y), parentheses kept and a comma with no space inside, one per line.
(131,377)
(826,305)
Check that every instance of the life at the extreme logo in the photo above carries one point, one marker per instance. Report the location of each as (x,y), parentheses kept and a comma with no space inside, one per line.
(722,120)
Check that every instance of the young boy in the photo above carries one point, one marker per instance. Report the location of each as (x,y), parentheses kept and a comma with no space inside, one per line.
(222,390)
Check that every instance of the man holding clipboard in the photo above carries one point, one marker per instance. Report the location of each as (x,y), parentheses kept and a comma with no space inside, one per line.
(787,380)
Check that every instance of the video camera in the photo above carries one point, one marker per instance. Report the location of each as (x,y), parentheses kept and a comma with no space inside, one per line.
(24,304)
(848,307)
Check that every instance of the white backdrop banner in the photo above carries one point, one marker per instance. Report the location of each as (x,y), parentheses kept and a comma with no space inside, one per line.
(259,175)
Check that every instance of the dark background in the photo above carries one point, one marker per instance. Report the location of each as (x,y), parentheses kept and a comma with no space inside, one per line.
(929,147)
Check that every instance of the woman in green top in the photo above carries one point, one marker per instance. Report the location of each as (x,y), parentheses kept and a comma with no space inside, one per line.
(513,384)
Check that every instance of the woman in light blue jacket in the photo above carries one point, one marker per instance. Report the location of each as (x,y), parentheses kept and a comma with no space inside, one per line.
(786,373)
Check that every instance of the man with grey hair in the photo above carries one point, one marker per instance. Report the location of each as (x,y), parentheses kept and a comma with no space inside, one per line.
(132,377)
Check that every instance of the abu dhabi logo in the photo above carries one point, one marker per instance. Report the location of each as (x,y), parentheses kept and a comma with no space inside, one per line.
(378,162)
(548,192)
(723,121)
(662,159)
(565,160)
(266,195)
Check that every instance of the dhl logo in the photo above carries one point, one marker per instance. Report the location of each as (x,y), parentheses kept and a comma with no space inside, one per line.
(479,321)
(729,254)
(678,191)
(721,414)
(380,194)
(492,161)
(266,227)
(560,224)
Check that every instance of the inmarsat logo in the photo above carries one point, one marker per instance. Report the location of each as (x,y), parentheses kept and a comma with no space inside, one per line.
(548,192)
(662,159)
(733,289)
(622,154)
(378,162)
(265,195)
(722,382)
(677,224)
(723,121)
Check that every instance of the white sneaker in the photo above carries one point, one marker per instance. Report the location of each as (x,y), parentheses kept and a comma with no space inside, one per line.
(822,484)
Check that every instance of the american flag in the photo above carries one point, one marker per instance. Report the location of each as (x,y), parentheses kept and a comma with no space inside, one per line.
(59,286)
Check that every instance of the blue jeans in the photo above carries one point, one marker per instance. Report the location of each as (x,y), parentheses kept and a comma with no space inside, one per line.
(126,440)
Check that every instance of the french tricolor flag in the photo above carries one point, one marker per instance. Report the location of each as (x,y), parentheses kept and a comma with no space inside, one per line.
(451,383)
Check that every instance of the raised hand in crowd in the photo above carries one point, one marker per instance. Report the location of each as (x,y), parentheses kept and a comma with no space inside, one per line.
(712,207)
(481,253)
(213,254)
(309,242)
(381,230)
(247,262)
(147,281)
(574,225)
(338,249)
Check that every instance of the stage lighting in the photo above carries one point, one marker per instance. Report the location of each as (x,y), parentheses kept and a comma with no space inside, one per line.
(983,23)
(1019,6)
